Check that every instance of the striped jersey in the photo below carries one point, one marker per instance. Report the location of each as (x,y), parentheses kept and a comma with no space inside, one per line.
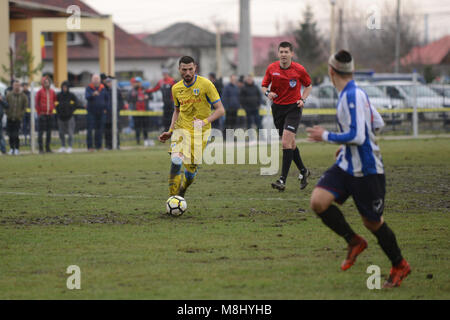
(357,120)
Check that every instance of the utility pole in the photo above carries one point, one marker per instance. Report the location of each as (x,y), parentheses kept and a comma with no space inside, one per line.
(245,54)
(425,17)
(397,39)
(218,51)
(332,27)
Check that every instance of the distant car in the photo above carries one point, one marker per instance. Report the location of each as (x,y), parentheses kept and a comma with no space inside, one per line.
(404,90)
(444,91)
(382,101)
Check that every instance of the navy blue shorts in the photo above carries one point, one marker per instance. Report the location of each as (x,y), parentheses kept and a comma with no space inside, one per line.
(368,192)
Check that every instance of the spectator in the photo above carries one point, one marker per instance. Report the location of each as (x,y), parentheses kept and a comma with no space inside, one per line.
(27,117)
(45,104)
(251,100)
(97,104)
(108,122)
(219,123)
(165,85)
(231,102)
(17,103)
(3,106)
(138,101)
(66,105)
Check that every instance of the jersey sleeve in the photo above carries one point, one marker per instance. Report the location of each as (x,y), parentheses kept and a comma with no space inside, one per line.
(355,134)
(211,93)
(267,78)
(175,98)
(305,79)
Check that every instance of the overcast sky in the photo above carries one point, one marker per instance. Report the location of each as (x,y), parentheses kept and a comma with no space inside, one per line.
(137,16)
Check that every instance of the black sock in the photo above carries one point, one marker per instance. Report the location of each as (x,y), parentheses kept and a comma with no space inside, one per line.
(388,242)
(288,154)
(334,219)
(298,160)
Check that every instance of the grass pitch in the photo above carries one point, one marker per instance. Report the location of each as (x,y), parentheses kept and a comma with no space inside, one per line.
(239,239)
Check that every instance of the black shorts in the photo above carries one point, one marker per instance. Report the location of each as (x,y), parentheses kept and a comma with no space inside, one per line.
(368,192)
(286,117)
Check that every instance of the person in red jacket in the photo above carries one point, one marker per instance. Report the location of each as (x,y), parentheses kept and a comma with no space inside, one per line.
(45,104)
(165,85)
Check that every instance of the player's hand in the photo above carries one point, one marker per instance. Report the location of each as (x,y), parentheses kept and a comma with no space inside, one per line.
(96,93)
(198,123)
(272,95)
(300,103)
(315,133)
(165,136)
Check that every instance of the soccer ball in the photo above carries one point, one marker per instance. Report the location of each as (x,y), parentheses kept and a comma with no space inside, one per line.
(176,206)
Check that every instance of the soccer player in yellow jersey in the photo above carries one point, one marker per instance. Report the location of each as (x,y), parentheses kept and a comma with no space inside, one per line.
(191,124)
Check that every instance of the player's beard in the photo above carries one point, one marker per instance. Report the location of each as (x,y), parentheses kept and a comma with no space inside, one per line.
(188,78)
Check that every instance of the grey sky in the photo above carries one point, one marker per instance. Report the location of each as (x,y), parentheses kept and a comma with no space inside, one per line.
(153,15)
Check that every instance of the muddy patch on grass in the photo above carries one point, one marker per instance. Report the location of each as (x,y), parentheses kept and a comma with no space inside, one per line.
(109,218)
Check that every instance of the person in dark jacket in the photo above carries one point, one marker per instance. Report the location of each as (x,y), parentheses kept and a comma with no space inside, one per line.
(219,123)
(138,99)
(109,115)
(17,103)
(26,125)
(165,86)
(97,105)
(251,100)
(230,99)
(3,106)
(66,105)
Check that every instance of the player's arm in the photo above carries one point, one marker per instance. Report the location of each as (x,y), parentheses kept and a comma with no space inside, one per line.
(355,134)
(267,80)
(305,80)
(155,88)
(219,111)
(166,135)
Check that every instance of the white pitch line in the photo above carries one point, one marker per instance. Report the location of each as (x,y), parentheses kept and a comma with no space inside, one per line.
(84,195)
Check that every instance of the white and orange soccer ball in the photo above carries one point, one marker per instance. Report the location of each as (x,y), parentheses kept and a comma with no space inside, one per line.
(176,206)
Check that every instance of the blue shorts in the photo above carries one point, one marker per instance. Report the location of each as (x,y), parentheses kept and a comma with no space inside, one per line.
(368,192)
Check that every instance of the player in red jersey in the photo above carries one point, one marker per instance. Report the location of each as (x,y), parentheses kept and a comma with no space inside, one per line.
(286,78)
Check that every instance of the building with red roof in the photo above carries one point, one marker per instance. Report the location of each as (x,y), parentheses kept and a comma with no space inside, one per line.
(133,57)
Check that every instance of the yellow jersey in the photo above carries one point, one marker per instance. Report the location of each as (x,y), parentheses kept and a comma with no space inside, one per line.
(194,100)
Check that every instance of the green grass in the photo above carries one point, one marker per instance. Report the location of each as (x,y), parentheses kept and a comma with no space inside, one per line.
(239,239)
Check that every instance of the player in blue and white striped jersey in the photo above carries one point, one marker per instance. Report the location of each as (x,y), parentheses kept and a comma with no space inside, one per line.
(358,171)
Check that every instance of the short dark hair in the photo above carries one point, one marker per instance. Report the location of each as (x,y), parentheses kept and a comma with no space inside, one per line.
(286,44)
(345,57)
(186,60)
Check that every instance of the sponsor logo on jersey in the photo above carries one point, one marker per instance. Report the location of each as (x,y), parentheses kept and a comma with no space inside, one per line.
(276,74)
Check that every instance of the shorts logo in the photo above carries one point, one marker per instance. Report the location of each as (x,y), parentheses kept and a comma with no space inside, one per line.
(292,83)
(378,205)
(290,127)
(196,92)
(351,105)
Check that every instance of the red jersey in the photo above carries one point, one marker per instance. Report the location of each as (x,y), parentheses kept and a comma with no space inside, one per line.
(286,83)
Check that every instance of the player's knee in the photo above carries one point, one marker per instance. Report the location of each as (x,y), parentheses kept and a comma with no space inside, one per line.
(177,159)
(317,205)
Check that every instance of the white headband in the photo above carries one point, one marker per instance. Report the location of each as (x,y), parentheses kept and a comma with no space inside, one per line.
(346,67)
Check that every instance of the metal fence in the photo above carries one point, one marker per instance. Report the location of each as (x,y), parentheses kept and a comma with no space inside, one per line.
(407,108)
